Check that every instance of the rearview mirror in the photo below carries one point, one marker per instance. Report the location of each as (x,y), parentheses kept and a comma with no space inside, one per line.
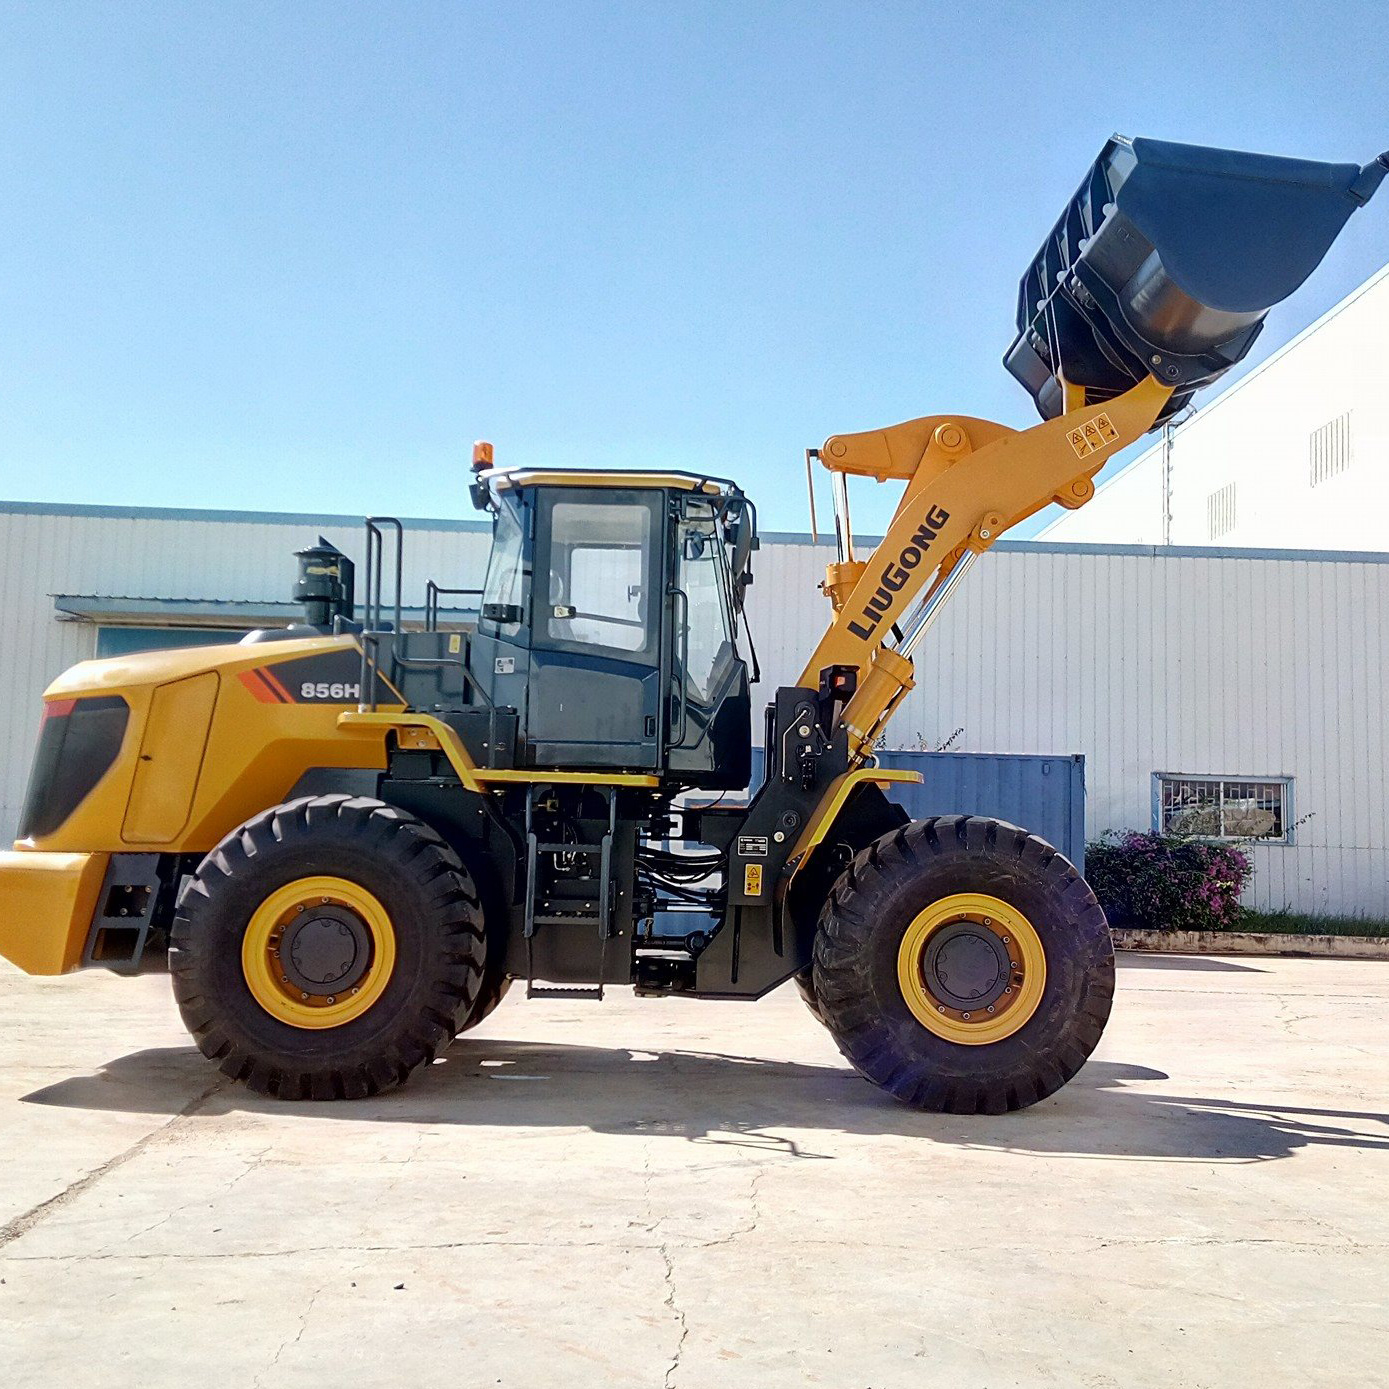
(744,543)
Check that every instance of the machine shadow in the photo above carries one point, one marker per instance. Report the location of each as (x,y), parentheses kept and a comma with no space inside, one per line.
(1197,964)
(1110,1111)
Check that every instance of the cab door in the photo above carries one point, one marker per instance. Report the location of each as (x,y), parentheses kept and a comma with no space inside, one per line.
(597,598)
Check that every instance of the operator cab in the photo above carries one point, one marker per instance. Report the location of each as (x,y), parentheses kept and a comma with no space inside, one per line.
(608,620)
(607,630)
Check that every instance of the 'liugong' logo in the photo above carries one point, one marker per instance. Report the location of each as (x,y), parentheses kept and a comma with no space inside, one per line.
(896,573)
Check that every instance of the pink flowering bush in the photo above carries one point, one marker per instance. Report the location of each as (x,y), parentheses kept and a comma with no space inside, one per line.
(1164,882)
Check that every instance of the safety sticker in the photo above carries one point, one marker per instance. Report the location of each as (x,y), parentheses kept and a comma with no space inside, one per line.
(1092,436)
(504,665)
(752,880)
(752,846)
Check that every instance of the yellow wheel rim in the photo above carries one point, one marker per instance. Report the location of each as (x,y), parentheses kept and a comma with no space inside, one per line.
(318,952)
(971,968)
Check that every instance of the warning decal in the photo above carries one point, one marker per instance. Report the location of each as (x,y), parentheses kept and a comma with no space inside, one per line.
(1093,435)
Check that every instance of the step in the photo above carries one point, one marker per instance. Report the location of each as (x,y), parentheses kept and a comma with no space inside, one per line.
(563,991)
(576,920)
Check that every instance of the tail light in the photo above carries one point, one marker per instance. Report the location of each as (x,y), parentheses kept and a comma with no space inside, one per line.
(78,742)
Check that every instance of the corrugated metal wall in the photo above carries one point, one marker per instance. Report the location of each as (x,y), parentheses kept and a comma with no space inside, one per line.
(1141,660)
(1148,660)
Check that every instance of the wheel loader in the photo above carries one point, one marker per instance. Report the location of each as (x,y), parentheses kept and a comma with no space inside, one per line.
(350,838)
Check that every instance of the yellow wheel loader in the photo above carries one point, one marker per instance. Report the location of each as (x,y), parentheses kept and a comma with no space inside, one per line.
(349,839)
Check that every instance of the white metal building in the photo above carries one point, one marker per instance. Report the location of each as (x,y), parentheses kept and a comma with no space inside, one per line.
(1294,454)
(1252,680)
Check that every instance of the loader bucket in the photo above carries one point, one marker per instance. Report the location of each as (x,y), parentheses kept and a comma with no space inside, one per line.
(1166,261)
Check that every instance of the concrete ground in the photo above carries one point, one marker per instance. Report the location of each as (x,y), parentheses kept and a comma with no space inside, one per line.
(668,1193)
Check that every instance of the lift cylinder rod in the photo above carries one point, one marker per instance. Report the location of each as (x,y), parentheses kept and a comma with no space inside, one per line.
(889,677)
(923,619)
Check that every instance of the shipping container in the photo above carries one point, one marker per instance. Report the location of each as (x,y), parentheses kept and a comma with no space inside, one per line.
(1043,794)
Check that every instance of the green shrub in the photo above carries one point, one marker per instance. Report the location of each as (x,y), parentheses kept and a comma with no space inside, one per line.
(1163,882)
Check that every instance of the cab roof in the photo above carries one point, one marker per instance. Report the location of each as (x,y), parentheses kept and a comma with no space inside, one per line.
(599,477)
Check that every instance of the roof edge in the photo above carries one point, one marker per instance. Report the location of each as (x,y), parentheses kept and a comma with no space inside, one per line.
(106,511)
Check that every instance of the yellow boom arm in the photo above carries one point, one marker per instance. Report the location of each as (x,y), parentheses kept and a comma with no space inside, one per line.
(967,482)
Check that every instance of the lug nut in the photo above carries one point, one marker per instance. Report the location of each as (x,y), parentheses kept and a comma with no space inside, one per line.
(331,999)
(305,997)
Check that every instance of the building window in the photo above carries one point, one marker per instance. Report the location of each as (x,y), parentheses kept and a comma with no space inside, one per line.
(1223,807)
(126,641)
(1329,449)
(1220,511)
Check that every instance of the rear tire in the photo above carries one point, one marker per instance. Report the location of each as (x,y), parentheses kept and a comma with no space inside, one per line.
(805,986)
(327,948)
(964,966)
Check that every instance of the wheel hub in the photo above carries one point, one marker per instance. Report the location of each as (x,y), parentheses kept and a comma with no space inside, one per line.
(966,966)
(318,952)
(326,951)
(971,968)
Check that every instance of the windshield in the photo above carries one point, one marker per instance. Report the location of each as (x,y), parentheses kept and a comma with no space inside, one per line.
(503,589)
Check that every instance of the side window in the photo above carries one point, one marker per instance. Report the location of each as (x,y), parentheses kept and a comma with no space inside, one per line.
(602,591)
(1223,807)
(708,634)
(503,591)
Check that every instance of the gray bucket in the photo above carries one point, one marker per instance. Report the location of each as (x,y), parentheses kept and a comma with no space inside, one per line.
(1166,261)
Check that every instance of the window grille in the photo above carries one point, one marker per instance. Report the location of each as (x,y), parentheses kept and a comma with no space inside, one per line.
(1223,807)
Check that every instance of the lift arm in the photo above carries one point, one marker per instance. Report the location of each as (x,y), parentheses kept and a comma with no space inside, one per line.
(967,482)
(1153,284)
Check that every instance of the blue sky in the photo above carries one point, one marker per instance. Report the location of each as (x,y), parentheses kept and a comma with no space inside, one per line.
(298,256)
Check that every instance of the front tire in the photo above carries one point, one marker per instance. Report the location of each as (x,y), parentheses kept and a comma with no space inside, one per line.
(964,966)
(327,948)
(489,996)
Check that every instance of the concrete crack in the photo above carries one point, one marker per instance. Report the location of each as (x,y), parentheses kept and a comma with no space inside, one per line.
(663,1249)
(803,1242)
(199,1199)
(678,1313)
(292,1340)
(22,1224)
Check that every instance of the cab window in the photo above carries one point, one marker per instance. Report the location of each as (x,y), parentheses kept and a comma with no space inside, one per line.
(503,590)
(707,643)
(602,588)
